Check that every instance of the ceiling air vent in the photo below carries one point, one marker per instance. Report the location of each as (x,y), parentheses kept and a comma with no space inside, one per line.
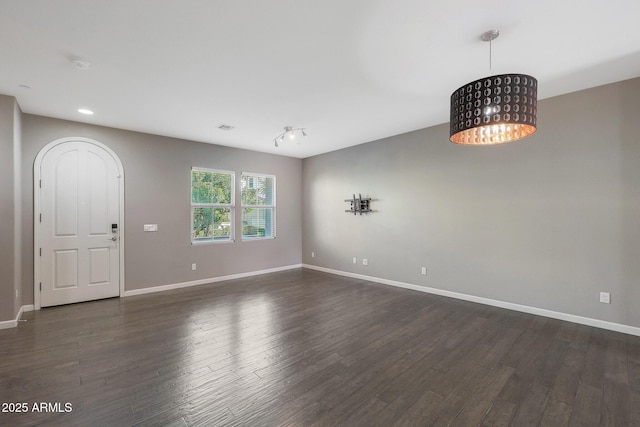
(225,127)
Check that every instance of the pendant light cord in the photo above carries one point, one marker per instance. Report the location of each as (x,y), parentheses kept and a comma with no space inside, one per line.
(489,36)
(490,65)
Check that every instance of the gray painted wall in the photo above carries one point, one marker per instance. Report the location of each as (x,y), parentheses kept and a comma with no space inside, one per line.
(7,214)
(546,222)
(157,191)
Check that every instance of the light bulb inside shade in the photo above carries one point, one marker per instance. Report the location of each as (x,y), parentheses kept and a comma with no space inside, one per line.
(493,134)
(291,135)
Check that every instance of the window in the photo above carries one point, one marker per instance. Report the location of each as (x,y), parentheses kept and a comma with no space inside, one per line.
(212,205)
(258,206)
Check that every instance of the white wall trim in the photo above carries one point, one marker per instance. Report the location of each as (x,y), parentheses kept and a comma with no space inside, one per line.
(13,323)
(198,282)
(8,324)
(617,327)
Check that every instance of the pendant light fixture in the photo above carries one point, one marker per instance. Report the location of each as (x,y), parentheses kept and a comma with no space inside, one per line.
(494,110)
(289,133)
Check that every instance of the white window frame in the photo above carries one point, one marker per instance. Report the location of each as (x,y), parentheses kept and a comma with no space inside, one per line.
(272,207)
(230,206)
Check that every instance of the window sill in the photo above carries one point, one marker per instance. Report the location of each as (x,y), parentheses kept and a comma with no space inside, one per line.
(254,239)
(210,242)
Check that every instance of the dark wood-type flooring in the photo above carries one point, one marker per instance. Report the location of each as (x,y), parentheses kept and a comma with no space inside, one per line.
(304,348)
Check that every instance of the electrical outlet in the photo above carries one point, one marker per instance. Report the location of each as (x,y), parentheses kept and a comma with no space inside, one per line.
(355,261)
(313,254)
(17,294)
(605,297)
(423,271)
(365,261)
(193,266)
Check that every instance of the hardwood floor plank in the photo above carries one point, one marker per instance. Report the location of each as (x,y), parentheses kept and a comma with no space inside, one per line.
(420,413)
(568,376)
(500,414)
(531,409)
(302,347)
(616,403)
(634,404)
(593,373)
(483,397)
(396,385)
(633,348)
(586,410)
(634,375)
(615,396)
(556,414)
(552,362)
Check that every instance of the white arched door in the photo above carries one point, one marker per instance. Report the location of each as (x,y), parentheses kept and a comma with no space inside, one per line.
(78,222)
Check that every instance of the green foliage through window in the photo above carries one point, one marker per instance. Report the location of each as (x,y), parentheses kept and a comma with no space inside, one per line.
(210,187)
(258,206)
(211,205)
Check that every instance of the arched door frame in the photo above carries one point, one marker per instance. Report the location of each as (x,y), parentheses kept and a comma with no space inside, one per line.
(36,210)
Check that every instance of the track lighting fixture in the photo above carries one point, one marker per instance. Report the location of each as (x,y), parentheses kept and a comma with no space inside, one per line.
(290,134)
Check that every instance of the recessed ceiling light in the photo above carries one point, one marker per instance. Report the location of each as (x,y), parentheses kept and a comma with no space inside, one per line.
(24,86)
(85,111)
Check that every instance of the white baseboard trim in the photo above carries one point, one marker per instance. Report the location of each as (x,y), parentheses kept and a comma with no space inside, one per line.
(6,324)
(617,327)
(170,287)
(13,323)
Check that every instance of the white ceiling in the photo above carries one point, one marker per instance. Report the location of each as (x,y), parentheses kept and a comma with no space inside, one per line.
(350,71)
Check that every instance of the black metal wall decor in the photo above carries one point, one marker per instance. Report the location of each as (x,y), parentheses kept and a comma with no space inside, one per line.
(359,204)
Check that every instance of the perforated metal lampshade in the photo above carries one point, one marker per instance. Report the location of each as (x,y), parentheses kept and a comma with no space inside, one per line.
(494,110)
